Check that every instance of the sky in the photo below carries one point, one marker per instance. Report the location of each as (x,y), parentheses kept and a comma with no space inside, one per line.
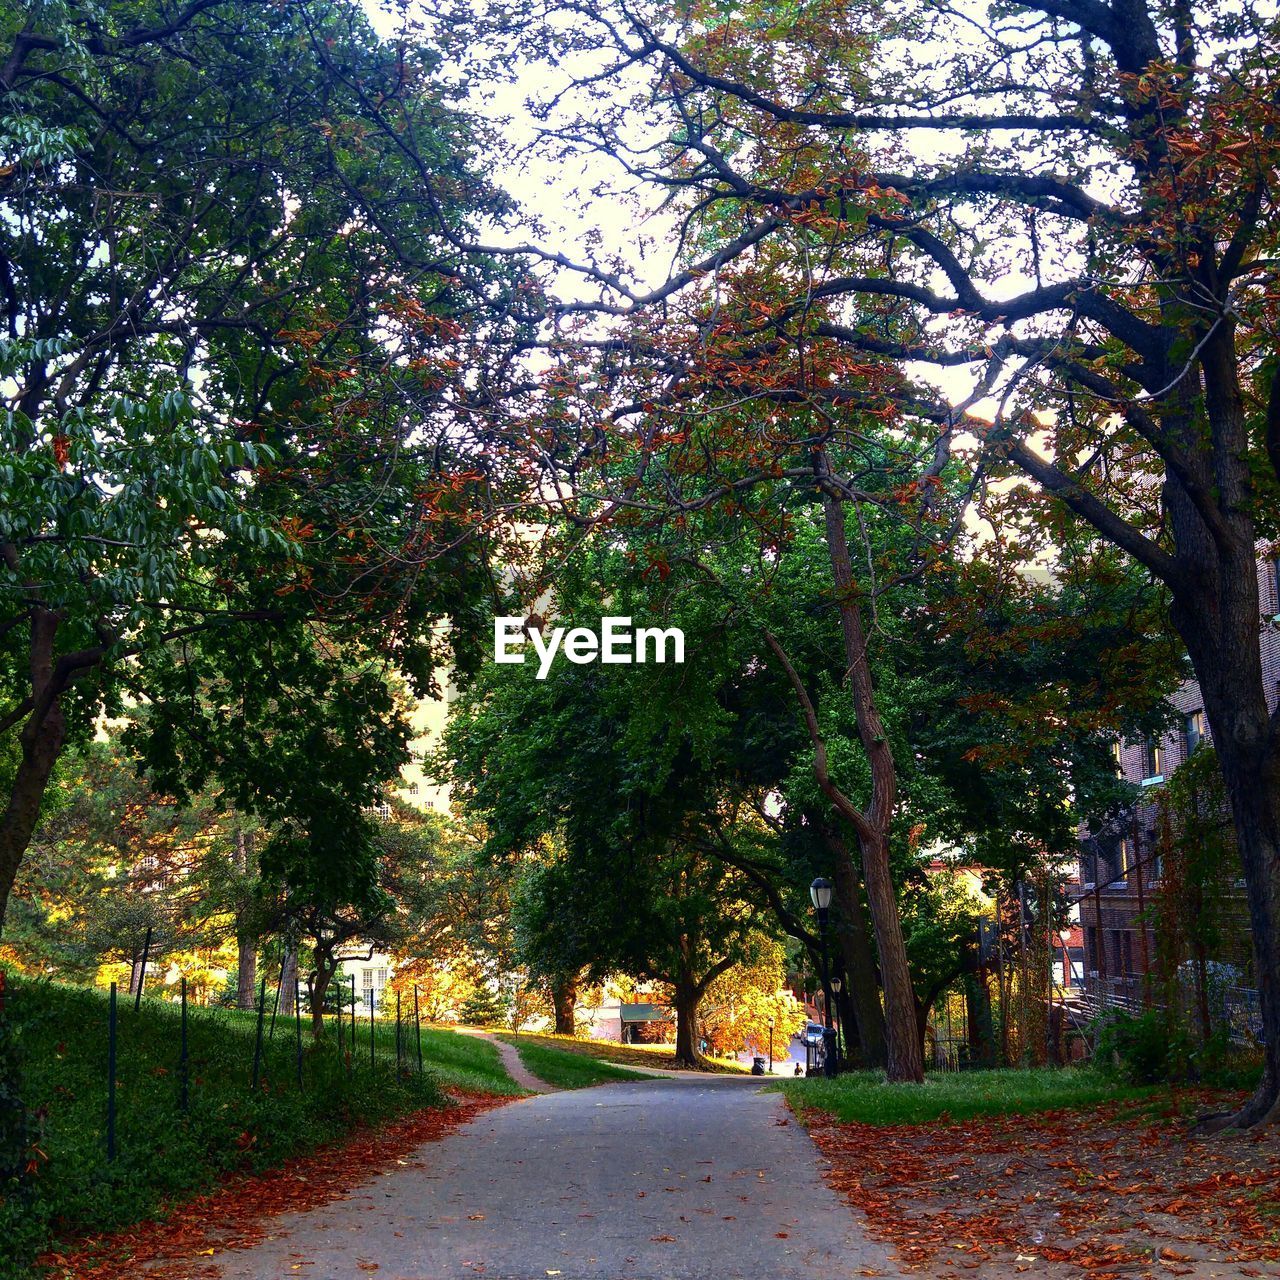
(562,216)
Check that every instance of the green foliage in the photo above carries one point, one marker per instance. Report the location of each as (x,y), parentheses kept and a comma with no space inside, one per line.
(486,1007)
(17,1134)
(1158,1047)
(233,322)
(1146,1048)
(568,1070)
(612,757)
(461,1061)
(61,1034)
(863,1096)
(1200,926)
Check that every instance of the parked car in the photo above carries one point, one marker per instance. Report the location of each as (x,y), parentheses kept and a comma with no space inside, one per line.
(812,1034)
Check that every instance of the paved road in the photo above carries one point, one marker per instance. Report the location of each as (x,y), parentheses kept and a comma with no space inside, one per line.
(702,1179)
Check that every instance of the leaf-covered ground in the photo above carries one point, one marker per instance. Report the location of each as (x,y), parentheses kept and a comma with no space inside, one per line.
(1119,1190)
(239,1213)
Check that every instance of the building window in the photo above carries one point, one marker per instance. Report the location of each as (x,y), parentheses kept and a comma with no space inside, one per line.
(1124,858)
(366,979)
(1153,755)
(1091,948)
(382,978)
(413,788)
(1194,731)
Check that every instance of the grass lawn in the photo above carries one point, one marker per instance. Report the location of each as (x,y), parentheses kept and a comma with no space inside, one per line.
(568,1070)
(865,1097)
(163,1155)
(635,1055)
(457,1061)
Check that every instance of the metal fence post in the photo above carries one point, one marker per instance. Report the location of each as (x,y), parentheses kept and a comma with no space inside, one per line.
(337,989)
(111,1074)
(417,1022)
(399,1041)
(183,1071)
(257,1044)
(372,1059)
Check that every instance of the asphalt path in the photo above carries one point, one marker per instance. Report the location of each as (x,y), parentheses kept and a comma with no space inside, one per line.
(682,1179)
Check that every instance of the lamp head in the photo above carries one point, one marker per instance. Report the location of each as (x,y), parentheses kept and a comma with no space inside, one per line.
(820,893)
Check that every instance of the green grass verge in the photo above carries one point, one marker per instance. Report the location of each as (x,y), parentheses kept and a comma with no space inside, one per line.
(568,1070)
(866,1097)
(458,1061)
(661,1056)
(59,1034)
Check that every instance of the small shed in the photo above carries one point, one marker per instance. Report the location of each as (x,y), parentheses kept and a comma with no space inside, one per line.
(632,1016)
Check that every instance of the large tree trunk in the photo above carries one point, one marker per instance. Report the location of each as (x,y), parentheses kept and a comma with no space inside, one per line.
(564,999)
(687,999)
(904,1059)
(135,970)
(326,967)
(1216,611)
(1251,772)
(246,939)
(288,979)
(863,991)
(40,743)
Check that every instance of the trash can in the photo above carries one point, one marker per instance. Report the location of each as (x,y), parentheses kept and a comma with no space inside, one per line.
(757,1066)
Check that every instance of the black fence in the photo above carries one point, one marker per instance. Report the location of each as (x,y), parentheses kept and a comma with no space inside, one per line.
(346,1021)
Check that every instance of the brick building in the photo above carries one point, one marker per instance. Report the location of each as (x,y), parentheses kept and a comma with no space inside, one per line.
(1119,864)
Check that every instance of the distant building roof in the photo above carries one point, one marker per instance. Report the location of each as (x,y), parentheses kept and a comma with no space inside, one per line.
(641,1013)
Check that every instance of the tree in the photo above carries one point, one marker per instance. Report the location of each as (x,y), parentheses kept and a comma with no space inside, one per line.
(114,864)
(234,309)
(712,753)
(1088,228)
(549,936)
(618,807)
(748,1008)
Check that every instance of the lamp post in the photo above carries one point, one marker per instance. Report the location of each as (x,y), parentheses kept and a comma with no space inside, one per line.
(820,894)
(771,1046)
(837,983)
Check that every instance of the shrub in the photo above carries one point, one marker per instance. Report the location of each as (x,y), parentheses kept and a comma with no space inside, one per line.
(161,1151)
(1146,1048)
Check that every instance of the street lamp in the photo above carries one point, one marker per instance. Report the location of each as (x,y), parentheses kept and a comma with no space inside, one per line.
(820,894)
(837,984)
(771,1046)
